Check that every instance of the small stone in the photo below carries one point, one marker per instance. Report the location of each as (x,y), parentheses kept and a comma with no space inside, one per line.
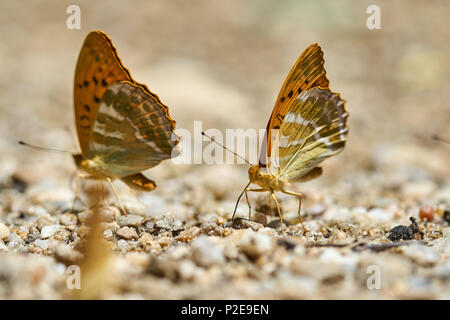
(108,233)
(62,235)
(67,255)
(380,215)
(243,223)
(41,244)
(206,253)
(254,244)
(48,231)
(3,247)
(110,213)
(14,240)
(127,233)
(188,235)
(145,239)
(130,220)
(187,269)
(68,219)
(4,232)
(165,222)
(405,232)
(45,220)
(165,241)
(427,213)
(123,245)
(287,244)
(446,232)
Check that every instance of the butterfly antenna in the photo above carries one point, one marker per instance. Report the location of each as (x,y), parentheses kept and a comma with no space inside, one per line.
(74,138)
(438,138)
(214,140)
(239,199)
(43,148)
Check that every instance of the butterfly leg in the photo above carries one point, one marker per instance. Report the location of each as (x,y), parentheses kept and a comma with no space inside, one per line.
(117,195)
(300,196)
(248,202)
(270,206)
(278,209)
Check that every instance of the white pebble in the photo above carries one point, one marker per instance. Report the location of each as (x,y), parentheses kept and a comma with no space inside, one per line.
(41,244)
(207,253)
(255,244)
(4,231)
(3,247)
(123,245)
(49,231)
(446,232)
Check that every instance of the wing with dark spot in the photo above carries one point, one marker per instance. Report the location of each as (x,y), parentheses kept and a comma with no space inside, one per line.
(308,72)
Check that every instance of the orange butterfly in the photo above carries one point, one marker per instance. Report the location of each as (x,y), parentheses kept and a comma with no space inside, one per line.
(308,124)
(123,128)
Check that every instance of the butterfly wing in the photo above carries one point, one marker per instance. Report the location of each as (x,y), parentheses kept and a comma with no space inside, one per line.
(132,131)
(308,72)
(314,128)
(98,66)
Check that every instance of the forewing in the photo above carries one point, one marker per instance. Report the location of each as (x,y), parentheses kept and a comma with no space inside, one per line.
(308,72)
(98,66)
(314,128)
(132,131)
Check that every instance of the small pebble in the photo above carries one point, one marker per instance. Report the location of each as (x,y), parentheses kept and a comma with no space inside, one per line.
(15,241)
(426,213)
(243,223)
(41,243)
(207,253)
(67,255)
(405,232)
(145,239)
(254,244)
(187,269)
(123,245)
(3,247)
(45,220)
(127,233)
(68,219)
(108,233)
(189,234)
(48,231)
(130,220)
(4,232)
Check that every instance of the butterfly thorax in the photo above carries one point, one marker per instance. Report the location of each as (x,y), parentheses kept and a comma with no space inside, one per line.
(265,179)
(93,167)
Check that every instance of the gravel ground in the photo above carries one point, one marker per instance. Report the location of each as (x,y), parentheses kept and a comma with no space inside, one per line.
(178,242)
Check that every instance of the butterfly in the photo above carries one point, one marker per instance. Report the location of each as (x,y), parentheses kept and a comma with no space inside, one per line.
(308,124)
(123,128)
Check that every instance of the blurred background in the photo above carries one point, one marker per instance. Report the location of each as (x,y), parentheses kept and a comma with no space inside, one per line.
(223,62)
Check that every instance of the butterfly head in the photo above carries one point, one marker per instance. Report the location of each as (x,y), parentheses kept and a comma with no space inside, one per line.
(254,174)
(80,161)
